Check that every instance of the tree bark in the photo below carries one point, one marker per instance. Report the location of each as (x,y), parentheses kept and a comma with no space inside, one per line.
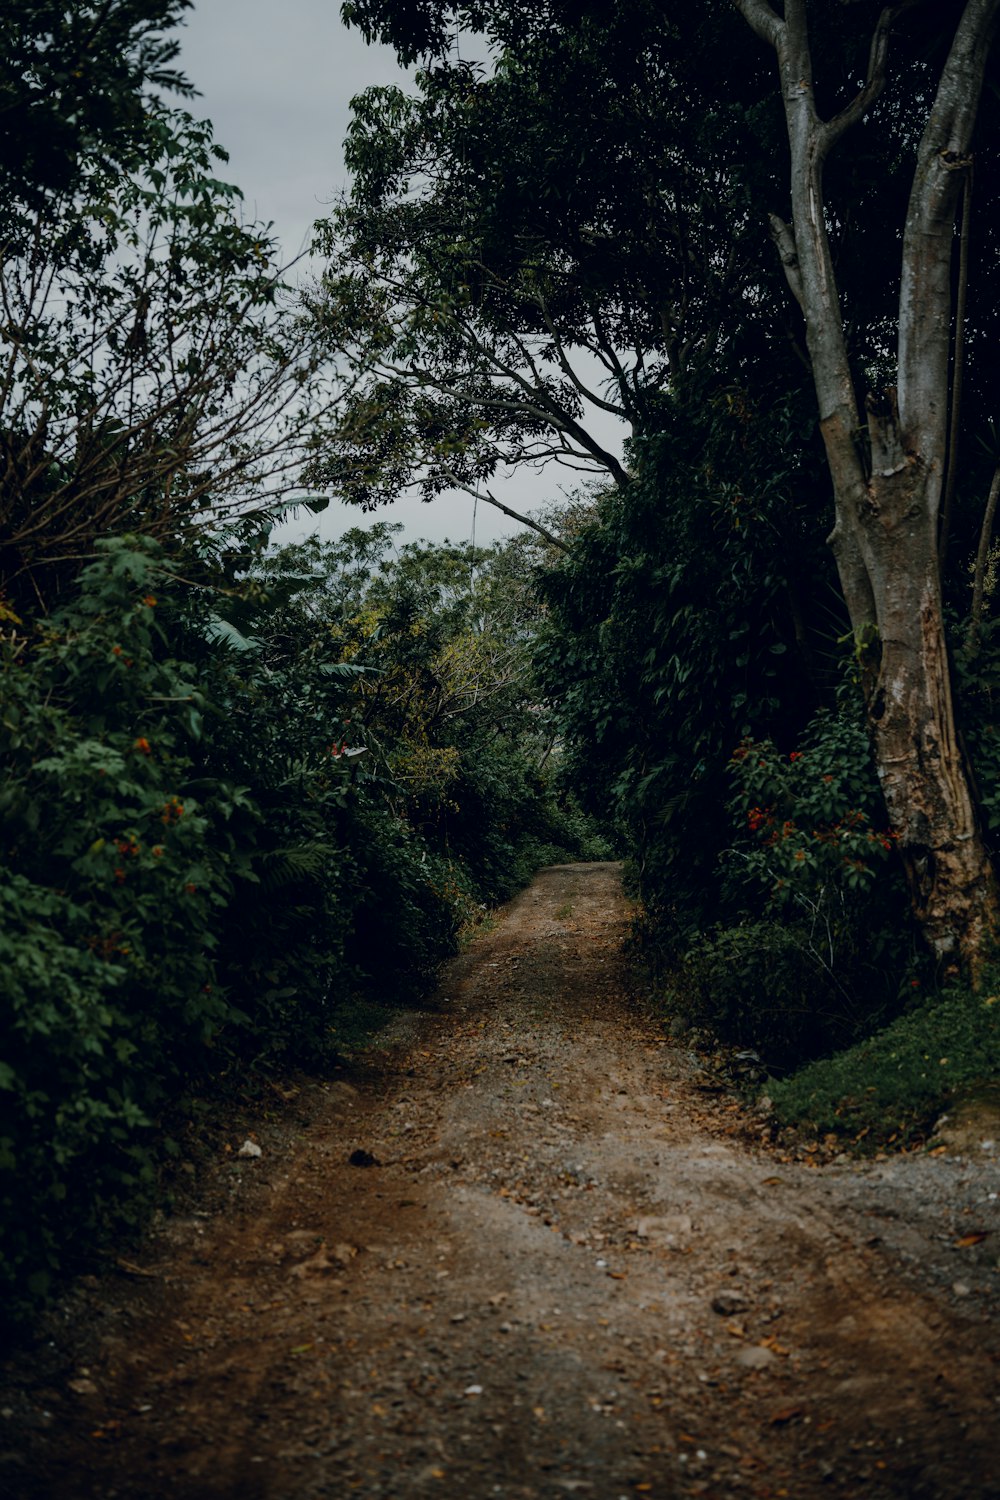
(982,562)
(887,499)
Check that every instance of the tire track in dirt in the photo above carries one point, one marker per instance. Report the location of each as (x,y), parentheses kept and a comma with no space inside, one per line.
(569,1273)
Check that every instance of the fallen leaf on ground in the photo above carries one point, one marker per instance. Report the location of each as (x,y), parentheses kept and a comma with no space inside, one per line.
(775,1348)
(111,1429)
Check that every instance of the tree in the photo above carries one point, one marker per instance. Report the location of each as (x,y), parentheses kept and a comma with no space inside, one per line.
(75,81)
(888,467)
(152,377)
(568,234)
(155,374)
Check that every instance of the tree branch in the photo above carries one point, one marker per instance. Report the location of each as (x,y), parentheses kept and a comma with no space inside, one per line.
(982,558)
(567,368)
(875,78)
(491,499)
(957,373)
(762,19)
(925,286)
(784,239)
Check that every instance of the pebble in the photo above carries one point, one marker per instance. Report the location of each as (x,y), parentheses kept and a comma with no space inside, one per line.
(665,1228)
(727,1303)
(83,1387)
(755,1358)
(362,1158)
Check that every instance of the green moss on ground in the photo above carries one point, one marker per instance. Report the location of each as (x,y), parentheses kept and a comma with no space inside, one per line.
(898,1081)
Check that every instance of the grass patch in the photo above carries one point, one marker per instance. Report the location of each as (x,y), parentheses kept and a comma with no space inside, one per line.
(899,1080)
(482,921)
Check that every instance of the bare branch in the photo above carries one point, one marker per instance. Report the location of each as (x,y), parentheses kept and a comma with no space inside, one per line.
(491,499)
(784,239)
(535,403)
(875,77)
(567,368)
(762,19)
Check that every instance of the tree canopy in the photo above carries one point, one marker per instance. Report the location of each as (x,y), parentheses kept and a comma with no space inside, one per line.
(75,82)
(568,232)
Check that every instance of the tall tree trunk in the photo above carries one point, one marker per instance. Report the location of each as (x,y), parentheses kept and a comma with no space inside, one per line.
(911,714)
(887,502)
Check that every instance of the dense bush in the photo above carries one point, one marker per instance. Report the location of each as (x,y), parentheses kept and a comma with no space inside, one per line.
(675,630)
(702,698)
(976,661)
(820,951)
(117,871)
(243,796)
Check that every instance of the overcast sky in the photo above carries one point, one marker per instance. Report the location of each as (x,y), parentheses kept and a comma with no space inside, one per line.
(276,79)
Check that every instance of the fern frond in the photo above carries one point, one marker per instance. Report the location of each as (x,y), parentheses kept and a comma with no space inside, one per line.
(296,862)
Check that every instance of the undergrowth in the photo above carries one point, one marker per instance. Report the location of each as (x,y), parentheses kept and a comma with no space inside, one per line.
(230,843)
(897,1082)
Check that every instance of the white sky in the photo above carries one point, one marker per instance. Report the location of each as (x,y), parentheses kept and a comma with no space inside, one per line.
(276,80)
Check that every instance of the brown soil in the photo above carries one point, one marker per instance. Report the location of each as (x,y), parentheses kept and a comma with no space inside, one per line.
(571,1269)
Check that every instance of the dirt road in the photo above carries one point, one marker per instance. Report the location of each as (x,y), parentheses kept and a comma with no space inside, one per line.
(556,1266)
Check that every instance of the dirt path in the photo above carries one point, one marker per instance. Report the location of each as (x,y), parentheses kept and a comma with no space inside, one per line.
(567,1272)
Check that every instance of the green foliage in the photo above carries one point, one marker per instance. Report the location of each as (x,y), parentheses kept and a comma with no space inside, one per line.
(976,679)
(810,818)
(149,380)
(755,985)
(505,220)
(74,84)
(116,872)
(678,634)
(245,800)
(504,217)
(821,950)
(898,1081)
(675,629)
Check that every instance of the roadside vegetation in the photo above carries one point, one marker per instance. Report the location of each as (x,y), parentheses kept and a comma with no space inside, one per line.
(771,645)
(249,795)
